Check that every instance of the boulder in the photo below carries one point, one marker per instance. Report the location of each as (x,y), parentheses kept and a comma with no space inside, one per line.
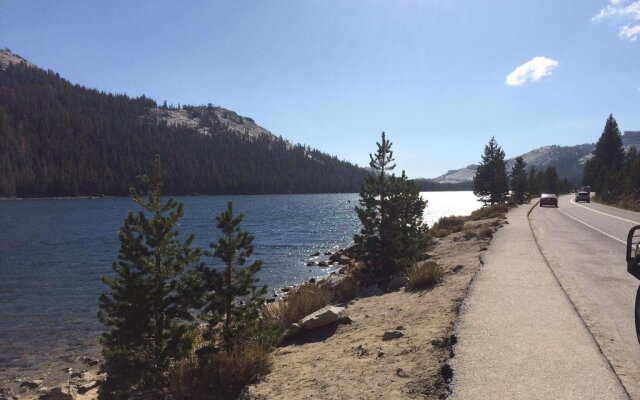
(372,290)
(333,281)
(89,361)
(31,384)
(312,280)
(335,256)
(343,260)
(311,263)
(324,316)
(390,335)
(323,264)
(327,253)
(397,283)
(425,256)
(88,386)
(316,254)
(55,394)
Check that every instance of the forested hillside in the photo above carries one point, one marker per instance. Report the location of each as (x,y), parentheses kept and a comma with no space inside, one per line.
(60,139)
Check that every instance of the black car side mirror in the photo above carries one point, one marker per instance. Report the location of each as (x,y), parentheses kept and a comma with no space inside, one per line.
(633,251)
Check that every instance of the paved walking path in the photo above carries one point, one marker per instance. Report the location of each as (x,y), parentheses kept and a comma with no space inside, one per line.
(519,336)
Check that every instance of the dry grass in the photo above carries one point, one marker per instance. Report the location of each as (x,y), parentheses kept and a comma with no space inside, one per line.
(424,276)
(218,376)
(494,211)
(446,226)
(486,232)
(300,302)
(468,233)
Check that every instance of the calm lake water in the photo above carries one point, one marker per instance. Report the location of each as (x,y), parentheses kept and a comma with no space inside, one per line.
(53,253)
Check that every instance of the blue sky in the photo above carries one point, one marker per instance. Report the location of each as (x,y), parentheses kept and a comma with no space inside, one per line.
(334,74)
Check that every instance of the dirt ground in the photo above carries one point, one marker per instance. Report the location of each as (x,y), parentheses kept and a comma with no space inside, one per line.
(353,362)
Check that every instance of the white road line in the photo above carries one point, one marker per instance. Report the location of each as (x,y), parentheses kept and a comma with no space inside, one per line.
(600,212)
(593,227)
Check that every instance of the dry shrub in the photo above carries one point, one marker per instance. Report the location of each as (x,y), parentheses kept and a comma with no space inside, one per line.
(447,225)
(486,232)
(346,289)
(218,376)
(468,233)
(300,302)
(424,276)
(494,211)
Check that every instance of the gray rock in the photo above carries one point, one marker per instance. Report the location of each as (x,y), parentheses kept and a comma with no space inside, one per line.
(323,264)
(311,263)
(361,351)
(77,375)
(390,335)
(343,260)
(425,256)
(372,290)
(312,280)
(324,316)
(335,256)
(333,281)
(316,254)
(31,384)
(88,386)
(55,394)
(397,283)
(380,353)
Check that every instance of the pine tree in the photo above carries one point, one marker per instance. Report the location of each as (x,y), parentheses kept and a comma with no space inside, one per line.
(233,298)
(519,185)
(490,180)
(390,209)
(406,210)
(551,180)
(533,182)
(147,307)
(602,172)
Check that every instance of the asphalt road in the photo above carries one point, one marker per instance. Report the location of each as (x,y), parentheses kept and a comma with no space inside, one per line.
(519,335)
(585,245)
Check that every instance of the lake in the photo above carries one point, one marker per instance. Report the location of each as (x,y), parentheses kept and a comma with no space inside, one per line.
(53,253)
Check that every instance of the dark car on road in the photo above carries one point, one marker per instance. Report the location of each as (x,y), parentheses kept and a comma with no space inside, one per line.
(583,196)
(549,199)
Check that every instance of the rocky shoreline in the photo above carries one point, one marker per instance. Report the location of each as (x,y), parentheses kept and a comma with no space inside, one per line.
(363,316)
(387,342)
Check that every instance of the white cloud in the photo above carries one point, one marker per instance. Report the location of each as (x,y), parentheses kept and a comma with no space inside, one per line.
(531,71)
(629,32)
(623,10)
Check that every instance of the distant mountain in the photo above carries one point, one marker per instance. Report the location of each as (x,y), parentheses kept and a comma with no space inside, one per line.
(568,160)
(61,139)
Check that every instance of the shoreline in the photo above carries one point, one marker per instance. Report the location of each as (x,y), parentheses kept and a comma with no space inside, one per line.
(357,361)
(55,375)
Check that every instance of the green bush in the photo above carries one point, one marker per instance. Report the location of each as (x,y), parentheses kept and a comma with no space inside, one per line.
(424,276)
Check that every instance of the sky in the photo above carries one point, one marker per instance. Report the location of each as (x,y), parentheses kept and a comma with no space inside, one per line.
(440,77)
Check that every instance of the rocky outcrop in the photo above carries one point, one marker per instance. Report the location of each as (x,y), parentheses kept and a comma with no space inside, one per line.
(324,316)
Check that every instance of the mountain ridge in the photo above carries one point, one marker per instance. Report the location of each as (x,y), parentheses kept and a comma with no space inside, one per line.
(62,139)
(568,160)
